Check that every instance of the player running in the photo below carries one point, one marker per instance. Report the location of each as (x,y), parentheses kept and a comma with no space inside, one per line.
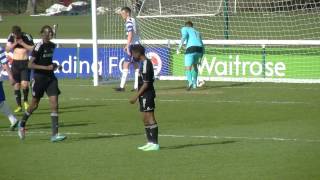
(194,52)
(21,43)
(4,108)
(146,95)
(132,38)
(44,80)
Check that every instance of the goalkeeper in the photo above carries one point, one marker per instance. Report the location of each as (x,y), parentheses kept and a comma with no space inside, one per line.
(194,52)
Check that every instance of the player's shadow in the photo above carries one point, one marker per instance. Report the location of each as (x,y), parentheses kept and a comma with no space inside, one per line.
(48,125)
(196,145)
(73,108)
(95,137)
(82,106)
(60,111)
(172,88)
(206,87)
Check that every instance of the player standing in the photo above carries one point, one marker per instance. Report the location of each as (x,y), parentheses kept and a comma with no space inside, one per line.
(194,52)
(146,95)
(21,43)
(44,80)
(132,38)
(4,108)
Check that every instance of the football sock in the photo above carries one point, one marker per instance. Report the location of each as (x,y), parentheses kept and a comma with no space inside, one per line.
(55,123)
(189,77)
(153,130)
(17,93)
(194,73)
(136,76)
(25,94)
(148,133)
(124,78)
(25,118)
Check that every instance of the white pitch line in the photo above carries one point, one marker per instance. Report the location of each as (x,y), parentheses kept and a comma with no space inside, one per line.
(40,133)
(195,101)
(227,87)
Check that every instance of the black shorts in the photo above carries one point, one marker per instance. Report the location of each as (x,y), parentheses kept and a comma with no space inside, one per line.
(20,70)
(146,102)
(44,83)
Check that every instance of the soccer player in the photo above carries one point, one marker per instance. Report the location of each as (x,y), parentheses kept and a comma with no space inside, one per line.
(132,38)
(4,108)
(194,52)
(21,43)
(44,80)
(146,95)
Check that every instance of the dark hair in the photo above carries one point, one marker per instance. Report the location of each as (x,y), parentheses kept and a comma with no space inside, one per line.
(189,24)
(16,30)
(138,48)
(126,9)
(46,27)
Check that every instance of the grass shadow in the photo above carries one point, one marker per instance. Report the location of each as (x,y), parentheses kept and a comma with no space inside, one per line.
(82,106)
(196,145)
(172,88)
(68,109)
(206,87)
(60,112)
(48,125)
(95,137)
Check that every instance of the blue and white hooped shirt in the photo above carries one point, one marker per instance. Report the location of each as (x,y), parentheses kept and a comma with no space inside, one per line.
(131,26)
(3,60)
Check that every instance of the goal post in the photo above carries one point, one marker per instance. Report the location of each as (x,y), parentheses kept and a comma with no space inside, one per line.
(94,43)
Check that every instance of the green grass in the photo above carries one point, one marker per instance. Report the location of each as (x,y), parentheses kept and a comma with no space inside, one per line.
(69,26)
(250,25)
(241,115)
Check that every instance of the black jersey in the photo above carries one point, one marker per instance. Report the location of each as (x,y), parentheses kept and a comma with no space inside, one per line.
(26,38)
(146,75)
(43,54)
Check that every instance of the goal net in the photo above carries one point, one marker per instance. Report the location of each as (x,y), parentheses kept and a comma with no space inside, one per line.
(245,40)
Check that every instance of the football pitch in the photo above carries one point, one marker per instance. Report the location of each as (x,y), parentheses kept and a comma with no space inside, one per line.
(221,131)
